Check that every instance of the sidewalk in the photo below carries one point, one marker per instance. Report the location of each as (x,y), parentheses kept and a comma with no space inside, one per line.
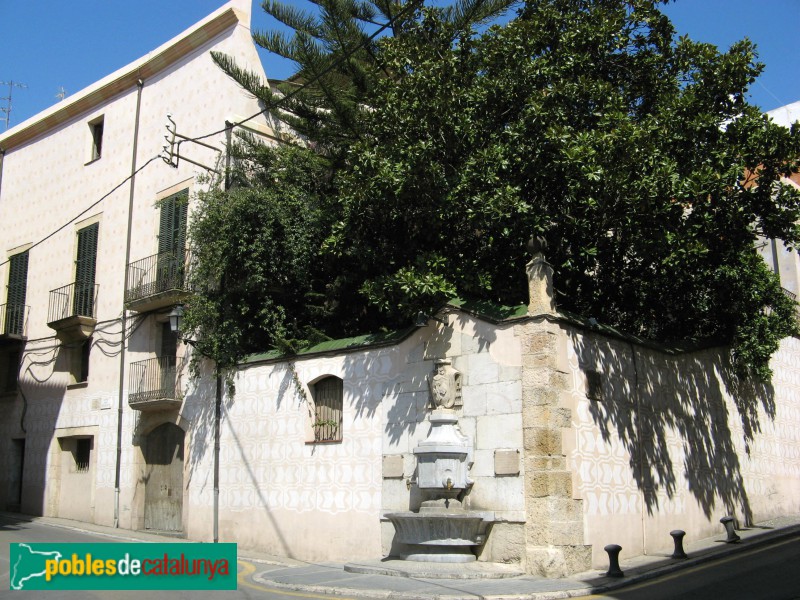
(427,580)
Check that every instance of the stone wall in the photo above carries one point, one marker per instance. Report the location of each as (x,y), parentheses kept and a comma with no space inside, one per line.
(661,441)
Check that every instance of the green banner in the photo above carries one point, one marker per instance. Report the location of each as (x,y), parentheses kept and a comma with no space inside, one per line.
(122,566)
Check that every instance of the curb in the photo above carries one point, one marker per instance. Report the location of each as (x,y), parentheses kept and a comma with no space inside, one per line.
(704,556)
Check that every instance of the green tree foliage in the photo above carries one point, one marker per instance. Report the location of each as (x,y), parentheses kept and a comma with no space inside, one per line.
(335,45)
(261,276)
(588,123)
(634,153)
(256,264)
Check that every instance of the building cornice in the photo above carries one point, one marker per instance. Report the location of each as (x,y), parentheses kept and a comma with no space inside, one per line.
(144,68)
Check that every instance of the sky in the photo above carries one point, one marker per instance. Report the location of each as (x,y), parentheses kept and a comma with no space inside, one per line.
(50,45)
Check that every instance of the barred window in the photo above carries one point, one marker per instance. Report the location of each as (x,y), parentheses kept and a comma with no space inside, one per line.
(83,454)
(328,402)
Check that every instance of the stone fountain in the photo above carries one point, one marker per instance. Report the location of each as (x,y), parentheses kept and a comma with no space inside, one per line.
(442,530)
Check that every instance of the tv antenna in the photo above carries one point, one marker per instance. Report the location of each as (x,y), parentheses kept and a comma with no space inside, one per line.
(7,110)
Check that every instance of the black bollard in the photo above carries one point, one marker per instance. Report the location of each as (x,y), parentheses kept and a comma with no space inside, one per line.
(613,561)
(728,523)
(677,536)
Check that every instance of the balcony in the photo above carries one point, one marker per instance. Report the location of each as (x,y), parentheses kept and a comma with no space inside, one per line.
(157,281)
(13,323)
(153,384)
(71,311)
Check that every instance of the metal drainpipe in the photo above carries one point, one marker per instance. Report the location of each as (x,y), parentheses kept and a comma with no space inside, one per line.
(217,418)
(120,400)
(218,395)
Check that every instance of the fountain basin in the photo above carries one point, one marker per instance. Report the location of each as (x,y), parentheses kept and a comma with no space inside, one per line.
(440,536)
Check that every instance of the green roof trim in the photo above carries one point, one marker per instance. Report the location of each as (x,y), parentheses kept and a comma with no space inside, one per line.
(487,311)
(333,346)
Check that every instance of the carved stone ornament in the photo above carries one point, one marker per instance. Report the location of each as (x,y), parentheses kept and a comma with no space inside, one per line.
(445,384)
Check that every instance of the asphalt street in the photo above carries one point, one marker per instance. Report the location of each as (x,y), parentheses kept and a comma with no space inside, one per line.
(12,531)
(765,565)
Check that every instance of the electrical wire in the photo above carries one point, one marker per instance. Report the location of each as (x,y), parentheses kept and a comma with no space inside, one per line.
(88,208)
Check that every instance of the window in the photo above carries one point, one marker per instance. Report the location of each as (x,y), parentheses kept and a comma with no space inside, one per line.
(172,242)
(83,454)
(85,265)
(96,131)
(168,360)
(17,289)
(327,394)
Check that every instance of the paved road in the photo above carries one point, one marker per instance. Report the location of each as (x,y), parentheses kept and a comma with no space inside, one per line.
(770,572)
(22,531)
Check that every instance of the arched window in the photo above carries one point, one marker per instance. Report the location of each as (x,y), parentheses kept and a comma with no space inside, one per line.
(327,394)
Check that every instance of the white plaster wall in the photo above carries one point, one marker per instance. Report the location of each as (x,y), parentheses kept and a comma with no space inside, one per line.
(283,495)
(668,448)
(279,493)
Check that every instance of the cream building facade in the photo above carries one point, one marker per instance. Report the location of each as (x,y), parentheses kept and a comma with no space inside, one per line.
(579,436)
(93,227)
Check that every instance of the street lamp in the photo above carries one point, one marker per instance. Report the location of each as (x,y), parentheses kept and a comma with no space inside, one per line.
(176,318)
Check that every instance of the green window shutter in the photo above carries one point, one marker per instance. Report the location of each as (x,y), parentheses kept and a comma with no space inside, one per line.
(17,292)
(172,242)
(85,266)
(87,254)
(172,224)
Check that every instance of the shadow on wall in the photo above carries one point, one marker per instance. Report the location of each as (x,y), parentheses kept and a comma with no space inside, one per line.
(396,374)
(665,408)
(416,357)
(29,424)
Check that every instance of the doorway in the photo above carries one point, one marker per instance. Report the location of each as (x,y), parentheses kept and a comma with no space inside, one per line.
(163,496)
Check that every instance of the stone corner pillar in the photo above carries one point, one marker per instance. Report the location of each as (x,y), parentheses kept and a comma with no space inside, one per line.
(554,520)
(540,286)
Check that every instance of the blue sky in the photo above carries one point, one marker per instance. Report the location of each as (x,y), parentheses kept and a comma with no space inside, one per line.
(48,44)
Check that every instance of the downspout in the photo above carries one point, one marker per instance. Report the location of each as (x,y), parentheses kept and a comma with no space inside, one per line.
(217,419)
(124,320)
(218,395)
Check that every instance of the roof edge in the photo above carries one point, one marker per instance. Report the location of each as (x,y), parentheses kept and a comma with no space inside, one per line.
(154,62)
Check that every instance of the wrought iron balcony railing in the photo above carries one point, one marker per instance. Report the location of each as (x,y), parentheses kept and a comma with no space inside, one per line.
(74,300)
(153,383)
(14,320)
(155,275)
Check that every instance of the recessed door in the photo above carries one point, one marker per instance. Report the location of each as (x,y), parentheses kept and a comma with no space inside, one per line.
(163,498)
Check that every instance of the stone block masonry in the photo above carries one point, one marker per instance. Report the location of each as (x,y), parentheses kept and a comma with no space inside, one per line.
(554,536)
